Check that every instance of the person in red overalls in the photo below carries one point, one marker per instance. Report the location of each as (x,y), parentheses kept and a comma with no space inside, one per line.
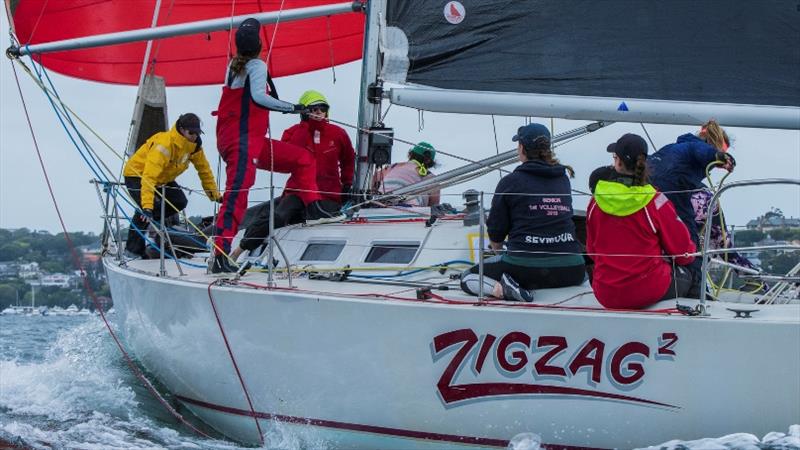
(330,145)
(243,121)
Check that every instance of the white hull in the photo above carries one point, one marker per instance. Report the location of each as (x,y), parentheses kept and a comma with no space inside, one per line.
(362,371)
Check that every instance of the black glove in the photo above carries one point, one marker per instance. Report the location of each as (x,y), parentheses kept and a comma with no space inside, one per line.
(147,215)
(299,109)
(728,159)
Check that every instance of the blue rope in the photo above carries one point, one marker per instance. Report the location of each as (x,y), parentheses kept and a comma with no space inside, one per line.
(93,165)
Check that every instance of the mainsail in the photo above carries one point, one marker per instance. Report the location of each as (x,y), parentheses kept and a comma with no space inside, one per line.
(196,59)
(710,52)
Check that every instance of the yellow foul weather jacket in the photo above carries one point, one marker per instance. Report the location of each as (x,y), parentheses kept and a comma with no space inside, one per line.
(165,156)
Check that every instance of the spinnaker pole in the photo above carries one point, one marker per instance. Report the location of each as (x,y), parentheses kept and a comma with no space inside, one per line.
(168,31)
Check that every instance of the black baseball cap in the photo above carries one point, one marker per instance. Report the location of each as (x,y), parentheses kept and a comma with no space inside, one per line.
(528,134)
(628,148)
(189,121)
(248,40)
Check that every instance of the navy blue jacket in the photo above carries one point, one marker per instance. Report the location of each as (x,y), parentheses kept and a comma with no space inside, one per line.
(680,167)
(537,223)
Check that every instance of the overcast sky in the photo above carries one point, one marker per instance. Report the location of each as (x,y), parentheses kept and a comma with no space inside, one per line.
(25,202)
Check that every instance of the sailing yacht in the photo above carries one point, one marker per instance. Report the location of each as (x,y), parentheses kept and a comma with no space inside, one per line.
(358,334)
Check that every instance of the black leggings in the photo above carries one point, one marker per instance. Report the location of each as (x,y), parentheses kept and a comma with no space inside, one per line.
(176,202)
(532,277)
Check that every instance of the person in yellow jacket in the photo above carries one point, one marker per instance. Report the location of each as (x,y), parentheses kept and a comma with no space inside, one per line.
(157,163)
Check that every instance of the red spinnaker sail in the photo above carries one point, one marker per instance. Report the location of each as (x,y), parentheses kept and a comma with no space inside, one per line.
(200,59)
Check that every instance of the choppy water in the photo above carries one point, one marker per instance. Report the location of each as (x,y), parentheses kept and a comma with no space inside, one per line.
(64,385)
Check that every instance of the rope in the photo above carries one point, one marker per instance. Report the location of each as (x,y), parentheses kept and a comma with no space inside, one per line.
(233,360)
(78,265)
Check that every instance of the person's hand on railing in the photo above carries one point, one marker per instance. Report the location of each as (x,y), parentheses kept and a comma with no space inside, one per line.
(727,160)
(147,215)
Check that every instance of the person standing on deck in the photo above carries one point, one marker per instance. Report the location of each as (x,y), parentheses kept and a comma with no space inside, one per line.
(629,228)
(678,170)
(157,163)
(532,212)
(330,145)
(243,121)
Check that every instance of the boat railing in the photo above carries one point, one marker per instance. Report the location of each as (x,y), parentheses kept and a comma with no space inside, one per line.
(706,253)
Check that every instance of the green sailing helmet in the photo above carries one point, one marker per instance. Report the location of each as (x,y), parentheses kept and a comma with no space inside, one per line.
(423,147)
(313,98)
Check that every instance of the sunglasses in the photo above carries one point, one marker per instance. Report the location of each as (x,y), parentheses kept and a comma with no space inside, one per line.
(320,108)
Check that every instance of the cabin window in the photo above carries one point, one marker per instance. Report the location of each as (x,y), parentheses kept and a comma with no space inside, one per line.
(322,251)
(392,252)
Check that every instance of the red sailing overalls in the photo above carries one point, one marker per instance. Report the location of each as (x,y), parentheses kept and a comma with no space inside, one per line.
(241,127)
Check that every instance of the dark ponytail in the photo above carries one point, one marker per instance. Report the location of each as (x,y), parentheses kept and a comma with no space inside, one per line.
(240,60)
(640,177)
(541,150)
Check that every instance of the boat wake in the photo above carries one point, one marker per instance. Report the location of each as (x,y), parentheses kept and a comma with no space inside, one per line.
(78,393)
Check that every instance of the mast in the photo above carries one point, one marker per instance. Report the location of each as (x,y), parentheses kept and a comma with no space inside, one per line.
(202,26)
(369,112)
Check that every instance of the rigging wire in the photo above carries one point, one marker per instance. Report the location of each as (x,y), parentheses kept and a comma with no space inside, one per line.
(78,265)
(233,360)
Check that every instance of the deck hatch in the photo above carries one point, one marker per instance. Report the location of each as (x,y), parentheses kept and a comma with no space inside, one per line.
(392,252)
(322,251)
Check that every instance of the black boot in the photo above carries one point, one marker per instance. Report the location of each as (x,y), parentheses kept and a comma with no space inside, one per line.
(222,264)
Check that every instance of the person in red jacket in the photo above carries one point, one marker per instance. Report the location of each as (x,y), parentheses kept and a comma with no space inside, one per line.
(329,144)
(630,230)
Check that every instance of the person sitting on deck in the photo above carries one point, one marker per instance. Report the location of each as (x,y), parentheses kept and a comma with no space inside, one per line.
(157,163)
(629,228)
(421,159)
(330,146)
(678,170)
(532,207)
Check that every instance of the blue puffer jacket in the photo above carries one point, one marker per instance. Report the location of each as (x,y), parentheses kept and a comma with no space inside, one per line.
(680,167)
(534,223)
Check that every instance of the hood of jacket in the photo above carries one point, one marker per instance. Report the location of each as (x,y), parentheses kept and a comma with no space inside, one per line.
(541,169)
(688,137)
(619,200)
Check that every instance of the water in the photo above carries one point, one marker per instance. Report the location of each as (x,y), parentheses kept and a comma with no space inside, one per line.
(64,385)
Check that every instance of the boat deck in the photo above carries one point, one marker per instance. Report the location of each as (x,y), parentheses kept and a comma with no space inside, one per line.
(433,287)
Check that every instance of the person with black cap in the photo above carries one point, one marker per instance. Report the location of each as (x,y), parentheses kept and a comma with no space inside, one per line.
(532,212)
(157,163)
(243,121)
(638,243)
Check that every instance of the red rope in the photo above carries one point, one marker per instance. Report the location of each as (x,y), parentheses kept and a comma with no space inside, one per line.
(438,299)
(78,265)
(233,360)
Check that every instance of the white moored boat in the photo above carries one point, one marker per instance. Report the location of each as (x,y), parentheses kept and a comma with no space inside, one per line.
(359,336)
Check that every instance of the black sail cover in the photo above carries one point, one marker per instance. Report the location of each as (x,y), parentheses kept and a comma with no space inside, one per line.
(721,51)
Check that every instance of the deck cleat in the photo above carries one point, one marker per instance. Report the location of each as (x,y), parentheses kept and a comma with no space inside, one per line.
(742,313)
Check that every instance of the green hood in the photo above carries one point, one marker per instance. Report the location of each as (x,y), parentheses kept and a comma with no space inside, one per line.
(620,200)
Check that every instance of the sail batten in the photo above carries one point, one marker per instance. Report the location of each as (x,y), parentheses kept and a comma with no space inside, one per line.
(734,52)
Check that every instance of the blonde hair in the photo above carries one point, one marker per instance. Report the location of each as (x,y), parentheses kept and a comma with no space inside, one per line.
(714,135)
